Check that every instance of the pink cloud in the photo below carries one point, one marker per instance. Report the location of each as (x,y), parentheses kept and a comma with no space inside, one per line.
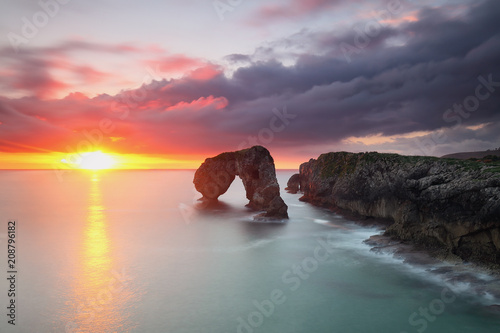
(63,124)
(176,63)
(152,105)
(80,44)
(295,8)
(39,74)
(204,110)
(76,96)
(186,67)
(40,83)
(201,103)
(206,73)
(52,72)
(89,75)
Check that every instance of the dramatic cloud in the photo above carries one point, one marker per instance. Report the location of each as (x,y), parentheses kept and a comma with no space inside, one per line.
(425,83)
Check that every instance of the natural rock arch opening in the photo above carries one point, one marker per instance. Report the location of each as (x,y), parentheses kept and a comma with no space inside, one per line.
(255,167)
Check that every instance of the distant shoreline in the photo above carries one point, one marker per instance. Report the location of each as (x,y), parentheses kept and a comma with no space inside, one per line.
(472,154)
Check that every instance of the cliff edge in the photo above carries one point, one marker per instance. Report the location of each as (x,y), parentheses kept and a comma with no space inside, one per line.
(434,202)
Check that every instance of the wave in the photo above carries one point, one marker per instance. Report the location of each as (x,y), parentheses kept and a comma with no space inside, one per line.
(464,280)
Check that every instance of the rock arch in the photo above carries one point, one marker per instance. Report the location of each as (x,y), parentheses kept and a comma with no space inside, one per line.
(255,167)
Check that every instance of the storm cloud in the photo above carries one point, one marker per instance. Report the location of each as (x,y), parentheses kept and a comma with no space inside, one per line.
(386,77)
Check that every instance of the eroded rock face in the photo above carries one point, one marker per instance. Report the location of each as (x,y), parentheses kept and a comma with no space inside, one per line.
(255,167)
(434,202)
(293,184)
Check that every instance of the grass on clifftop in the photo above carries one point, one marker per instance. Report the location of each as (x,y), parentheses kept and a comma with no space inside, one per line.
(495,168)
(344,163)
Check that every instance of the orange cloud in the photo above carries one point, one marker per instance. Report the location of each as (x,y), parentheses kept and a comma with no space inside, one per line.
(400,20)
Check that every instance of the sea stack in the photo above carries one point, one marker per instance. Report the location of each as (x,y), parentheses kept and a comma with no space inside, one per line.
(293,184)
(255,167)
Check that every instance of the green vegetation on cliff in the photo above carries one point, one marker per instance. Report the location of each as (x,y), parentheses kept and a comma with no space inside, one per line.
(344,163)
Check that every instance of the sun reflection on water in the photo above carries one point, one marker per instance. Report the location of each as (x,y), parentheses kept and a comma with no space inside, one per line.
(96,250)
(100,293)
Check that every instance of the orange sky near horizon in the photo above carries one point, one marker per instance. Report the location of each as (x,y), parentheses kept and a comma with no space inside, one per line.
(388,76)
(53,160)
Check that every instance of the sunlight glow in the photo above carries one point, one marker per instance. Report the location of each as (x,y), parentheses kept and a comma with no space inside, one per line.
(60,161)
(96,160)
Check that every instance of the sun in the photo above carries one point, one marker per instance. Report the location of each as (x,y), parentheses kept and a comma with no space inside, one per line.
(96,160)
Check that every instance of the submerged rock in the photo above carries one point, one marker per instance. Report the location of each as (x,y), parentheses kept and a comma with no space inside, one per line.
(434,202)
(255,167)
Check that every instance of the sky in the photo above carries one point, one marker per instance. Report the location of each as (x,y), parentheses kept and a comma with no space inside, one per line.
(165,84)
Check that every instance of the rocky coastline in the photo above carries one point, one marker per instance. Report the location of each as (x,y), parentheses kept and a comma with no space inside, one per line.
(449,207)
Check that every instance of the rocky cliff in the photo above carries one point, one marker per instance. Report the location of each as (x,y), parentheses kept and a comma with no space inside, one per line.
(255,167)
(435,202)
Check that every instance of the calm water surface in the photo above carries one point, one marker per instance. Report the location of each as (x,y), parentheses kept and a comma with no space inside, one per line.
(127,251)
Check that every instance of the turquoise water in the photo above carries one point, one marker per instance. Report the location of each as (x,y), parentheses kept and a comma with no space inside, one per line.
(128,251)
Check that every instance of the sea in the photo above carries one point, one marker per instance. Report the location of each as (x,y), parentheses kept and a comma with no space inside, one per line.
(135,251)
